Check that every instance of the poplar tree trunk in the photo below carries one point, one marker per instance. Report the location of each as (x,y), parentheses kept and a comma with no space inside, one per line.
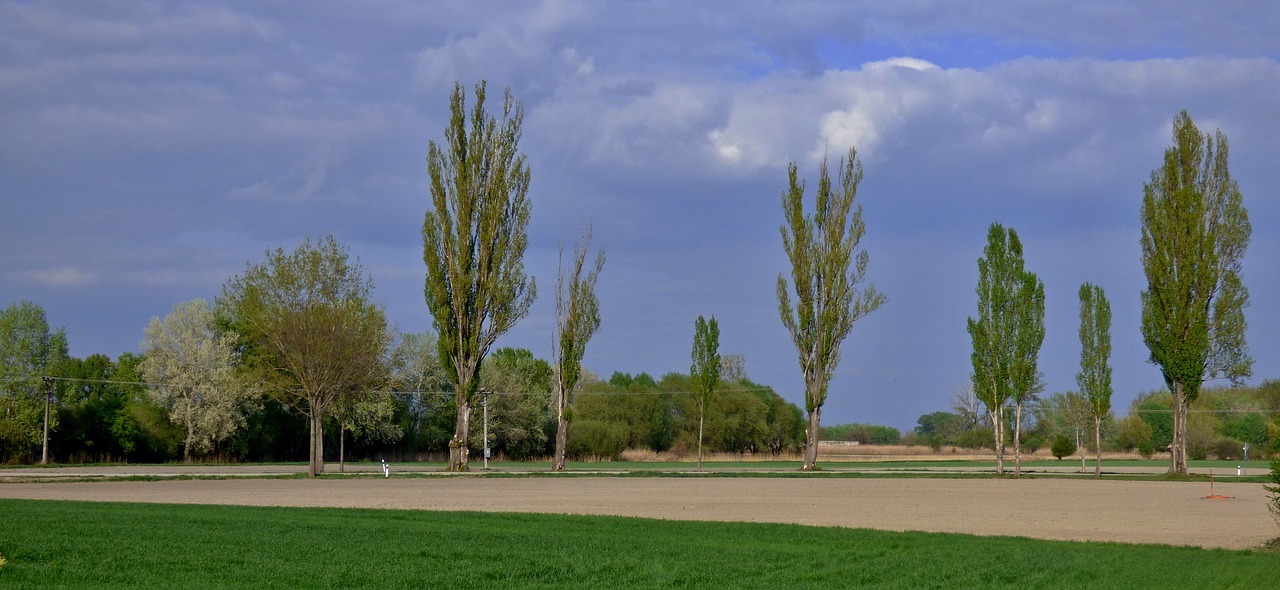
(1178,447)
(562,430)
(1017,440)
(1081,446)
(997,429)
(342,449)
(562,442)
(811,442)
(458,452)
(1097,442)
(700,440)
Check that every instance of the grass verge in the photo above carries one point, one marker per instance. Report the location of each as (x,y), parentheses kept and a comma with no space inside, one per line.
(55,544)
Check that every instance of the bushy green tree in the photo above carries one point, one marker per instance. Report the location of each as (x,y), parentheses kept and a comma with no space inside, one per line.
(191,368)
(519,411)
(1062,446)
(1157,411)
(826,268)
(938,426)
(29,351)
(1195,231)
(310,331)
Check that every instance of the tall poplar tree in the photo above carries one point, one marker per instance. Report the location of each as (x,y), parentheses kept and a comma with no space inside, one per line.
(826,268)
(577,320)
(704,373)
(1195,231)
(1094,378)
(1006,335)
(474,238)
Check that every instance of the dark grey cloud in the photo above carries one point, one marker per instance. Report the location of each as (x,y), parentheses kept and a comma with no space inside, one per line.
(151,149)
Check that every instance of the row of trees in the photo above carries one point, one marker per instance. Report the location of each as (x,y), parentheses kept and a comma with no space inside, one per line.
(474,238)
(1194,234)
(1221,422)
(301,329)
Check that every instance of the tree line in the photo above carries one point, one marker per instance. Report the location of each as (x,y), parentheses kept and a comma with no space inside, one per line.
(105,410)
(298,334)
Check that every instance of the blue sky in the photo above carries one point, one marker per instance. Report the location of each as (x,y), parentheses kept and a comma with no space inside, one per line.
(151,149)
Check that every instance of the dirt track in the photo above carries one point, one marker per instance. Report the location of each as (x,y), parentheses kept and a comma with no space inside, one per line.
(1123,511)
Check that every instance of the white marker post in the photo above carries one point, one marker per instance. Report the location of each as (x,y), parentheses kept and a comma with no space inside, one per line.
(386,469)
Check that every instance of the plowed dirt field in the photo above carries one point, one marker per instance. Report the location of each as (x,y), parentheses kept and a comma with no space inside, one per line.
(1176,513)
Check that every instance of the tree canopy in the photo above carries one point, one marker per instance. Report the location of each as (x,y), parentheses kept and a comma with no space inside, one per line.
(1195,231)
(309,330)
(1007,333)
(191,367)
(577,320)
(826,268)
(474,238)
(704,373)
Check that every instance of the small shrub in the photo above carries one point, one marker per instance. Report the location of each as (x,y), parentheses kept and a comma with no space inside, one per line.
(976,438)
(1062,446)
(1032,444)
(1228,449)
(593,438)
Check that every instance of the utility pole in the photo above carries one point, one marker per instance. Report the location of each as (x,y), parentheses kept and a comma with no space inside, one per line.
(48,397)
(484,398)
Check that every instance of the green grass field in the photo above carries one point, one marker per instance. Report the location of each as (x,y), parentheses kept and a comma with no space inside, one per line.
(53,544)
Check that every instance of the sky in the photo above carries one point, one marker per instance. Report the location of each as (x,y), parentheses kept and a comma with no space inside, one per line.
(149,151)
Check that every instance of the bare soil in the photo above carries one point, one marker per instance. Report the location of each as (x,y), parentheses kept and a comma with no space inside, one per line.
(1175,513)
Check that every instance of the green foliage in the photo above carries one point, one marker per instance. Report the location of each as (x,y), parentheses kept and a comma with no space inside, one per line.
(474,238)
(577,316)
(826,268)
(1195,231)
(191,367)
(1094,378)
(867,434)
(518,408)
(1250,428)
(1157,411)
(28,352)
(704,373)
(1009,329)
(66,544)
(943,425)
(1135,434)
(596,439)
(976,438)
(1063,445)
(577,320)
(309,331)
